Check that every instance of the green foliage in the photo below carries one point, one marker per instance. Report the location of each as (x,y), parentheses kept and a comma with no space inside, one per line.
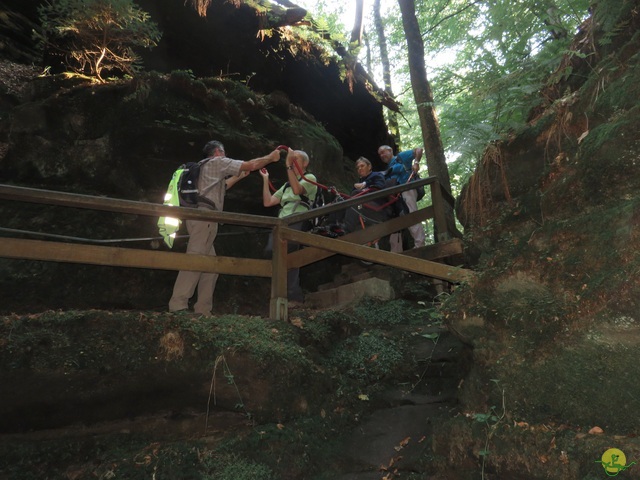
(486,62)
(501,63)
(301,448)
(113,456)
(368,357)
(318,331)
(330,25)
(343,318)
(377,312)
(232,467)
(97,35)
(613,17)
(250,334)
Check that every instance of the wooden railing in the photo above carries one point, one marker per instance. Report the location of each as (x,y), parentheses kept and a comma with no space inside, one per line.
(318,247)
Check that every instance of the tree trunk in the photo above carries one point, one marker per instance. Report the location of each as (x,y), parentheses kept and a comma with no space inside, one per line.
(433,149)
(386,69)
(356,33)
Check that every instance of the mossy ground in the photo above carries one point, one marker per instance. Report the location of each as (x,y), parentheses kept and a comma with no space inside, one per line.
(289,393)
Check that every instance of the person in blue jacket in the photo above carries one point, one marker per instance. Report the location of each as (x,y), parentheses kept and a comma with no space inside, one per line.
(400,167)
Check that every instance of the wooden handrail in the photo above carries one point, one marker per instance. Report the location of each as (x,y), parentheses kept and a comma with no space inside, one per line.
(50,197)
(416,265)
(355,201)
(307,256)
(130,257)
(318,247)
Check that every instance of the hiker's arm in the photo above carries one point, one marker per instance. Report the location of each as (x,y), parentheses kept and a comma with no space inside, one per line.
(258,163)
(376,180)
(268,200)
(417,155)
(231,181)
(396,168)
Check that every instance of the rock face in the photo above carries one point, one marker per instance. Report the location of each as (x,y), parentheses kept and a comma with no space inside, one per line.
(233,79)
(247,43)
(235,40)
(551,219)
(124,140)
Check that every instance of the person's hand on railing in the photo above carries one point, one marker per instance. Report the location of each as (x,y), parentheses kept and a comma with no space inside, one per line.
(275,156)
(417,155)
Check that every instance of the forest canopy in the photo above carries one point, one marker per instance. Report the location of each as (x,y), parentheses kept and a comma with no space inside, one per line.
(486,62)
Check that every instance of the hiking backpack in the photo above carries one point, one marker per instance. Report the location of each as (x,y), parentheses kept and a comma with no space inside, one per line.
(188,183)
(318,201)
(182,192)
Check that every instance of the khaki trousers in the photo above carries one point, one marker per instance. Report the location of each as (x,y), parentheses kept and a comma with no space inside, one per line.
(417,231)
(201,238)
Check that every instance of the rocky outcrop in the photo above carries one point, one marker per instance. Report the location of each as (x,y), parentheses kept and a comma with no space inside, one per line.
(124,140)
(248,43)
(227,72)
(551,220)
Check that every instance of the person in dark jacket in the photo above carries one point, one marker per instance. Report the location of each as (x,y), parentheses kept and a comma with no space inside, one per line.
(368,178)
(369,213)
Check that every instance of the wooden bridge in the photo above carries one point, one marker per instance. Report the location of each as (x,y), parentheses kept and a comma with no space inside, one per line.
(318,247)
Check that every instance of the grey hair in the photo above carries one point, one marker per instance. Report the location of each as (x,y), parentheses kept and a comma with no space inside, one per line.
(211,147)
(385,147)
(363,160)
(304,156)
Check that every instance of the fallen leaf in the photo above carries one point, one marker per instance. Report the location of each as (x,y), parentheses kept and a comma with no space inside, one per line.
(564,458)
(581,137)
(280,426)
(596,431)
(363,397)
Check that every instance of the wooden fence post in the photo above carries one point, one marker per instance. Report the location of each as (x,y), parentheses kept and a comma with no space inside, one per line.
(440,227)
(278,305)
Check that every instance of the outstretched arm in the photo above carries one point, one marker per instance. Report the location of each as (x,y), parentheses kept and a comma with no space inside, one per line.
(231,181)
(268,200)
(258,163)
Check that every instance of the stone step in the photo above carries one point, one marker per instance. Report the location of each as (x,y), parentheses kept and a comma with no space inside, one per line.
(343,295)
(344,278)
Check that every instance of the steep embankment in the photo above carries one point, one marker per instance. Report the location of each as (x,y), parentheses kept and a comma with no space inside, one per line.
(552,219)
(97,394)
